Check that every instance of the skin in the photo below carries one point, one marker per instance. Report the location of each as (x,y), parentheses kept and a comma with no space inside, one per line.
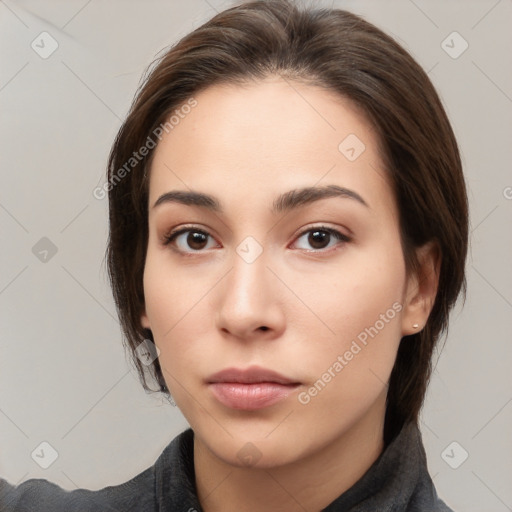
(205,306)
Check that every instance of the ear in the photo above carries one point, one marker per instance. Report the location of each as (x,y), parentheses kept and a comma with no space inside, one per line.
(421,288)
(144,320)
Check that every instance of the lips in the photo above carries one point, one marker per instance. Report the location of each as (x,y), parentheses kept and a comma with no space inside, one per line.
(251,375)
(250,389)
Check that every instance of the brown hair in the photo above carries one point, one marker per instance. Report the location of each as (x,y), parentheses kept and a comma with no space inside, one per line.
(343,53)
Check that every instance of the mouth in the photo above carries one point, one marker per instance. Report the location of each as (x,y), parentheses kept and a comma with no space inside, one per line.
(250,389)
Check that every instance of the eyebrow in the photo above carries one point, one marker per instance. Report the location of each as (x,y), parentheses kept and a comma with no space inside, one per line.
(285,202)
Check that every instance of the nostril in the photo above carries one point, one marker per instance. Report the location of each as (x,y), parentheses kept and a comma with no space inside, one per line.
(264,328)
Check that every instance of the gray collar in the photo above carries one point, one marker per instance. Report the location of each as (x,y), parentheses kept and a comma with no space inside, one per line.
(398,481)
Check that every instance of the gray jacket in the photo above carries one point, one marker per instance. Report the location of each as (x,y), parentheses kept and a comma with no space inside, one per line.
(398,481)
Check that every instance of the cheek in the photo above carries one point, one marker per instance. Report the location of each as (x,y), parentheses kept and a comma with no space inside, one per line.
(353,293)
(171,291)
(357,309)
(176,302)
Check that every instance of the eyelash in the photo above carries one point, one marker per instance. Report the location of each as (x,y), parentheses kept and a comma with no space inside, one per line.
(170,237)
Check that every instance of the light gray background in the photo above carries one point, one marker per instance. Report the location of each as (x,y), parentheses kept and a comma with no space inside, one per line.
(64,377)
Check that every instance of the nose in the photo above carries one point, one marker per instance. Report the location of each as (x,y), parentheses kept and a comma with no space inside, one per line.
(250,304)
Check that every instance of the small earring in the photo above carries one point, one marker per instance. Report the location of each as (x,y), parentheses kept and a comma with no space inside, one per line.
(415,326)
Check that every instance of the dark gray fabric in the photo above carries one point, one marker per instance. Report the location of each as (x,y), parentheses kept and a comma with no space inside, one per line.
(398,481)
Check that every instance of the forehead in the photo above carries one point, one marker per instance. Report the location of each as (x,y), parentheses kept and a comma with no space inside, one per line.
(267,137)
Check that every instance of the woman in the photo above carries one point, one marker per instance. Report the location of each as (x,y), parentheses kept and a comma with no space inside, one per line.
(288,232)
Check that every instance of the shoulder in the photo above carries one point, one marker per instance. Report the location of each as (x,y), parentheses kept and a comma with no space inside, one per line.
(43,495)
(430,504)
(170,478)
(424,497)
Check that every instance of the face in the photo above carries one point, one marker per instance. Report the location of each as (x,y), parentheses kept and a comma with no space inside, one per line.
(309,285)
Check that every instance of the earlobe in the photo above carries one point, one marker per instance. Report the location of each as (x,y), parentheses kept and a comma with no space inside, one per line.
(421,289)
(144,320)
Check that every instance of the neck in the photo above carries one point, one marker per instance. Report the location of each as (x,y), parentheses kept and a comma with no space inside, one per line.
(310,483)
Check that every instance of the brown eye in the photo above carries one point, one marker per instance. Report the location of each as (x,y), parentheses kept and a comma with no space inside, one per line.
(197,240)
(319,238)
(189,240)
